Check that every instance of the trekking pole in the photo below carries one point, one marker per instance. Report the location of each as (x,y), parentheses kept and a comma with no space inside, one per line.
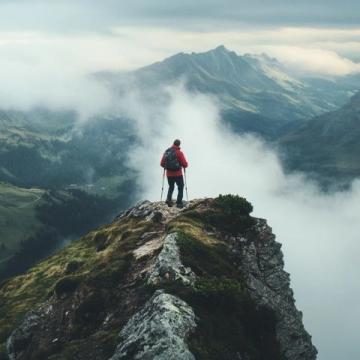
(162,187)
(187,195)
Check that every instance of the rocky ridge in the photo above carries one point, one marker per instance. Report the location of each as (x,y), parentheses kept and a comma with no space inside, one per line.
(170,284)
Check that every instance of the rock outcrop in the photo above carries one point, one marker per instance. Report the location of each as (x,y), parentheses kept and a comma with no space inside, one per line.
(206,282)
(158,330)
(261,262)
(168,266)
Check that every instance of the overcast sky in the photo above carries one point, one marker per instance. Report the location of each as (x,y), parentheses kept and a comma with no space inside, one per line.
(87,15)
(127,34)
(59,42)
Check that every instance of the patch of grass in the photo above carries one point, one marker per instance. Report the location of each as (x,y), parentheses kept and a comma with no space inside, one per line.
(228,213)
(233,205)
(222,291)
(89,268)
(229,324)
(107,275)
(17,216)
(231,328)
(205,260)
(193,226)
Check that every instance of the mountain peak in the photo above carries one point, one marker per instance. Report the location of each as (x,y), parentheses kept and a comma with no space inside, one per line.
(209,265)
(221,48)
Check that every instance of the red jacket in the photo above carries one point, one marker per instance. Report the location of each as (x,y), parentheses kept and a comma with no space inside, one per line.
(181,157)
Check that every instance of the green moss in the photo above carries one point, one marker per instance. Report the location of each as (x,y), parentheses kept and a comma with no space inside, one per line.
(232,325)
(228,213)
(233,205)
(228,322)
(205,260)
(109,274)
(221,290)
(194,227)
(79,264)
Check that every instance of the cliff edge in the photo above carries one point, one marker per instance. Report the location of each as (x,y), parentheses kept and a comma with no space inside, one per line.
(203,282)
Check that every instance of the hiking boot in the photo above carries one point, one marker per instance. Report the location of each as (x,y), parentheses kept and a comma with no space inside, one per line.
(169,203)
(179,205)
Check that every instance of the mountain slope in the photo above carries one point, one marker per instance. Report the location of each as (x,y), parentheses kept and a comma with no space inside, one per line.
(17,216)
(205,282)
(328,144)
(50,150)
(57,180)
(36,222)
(255,92)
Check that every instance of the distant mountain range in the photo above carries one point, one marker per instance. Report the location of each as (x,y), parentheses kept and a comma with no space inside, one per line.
(43,148)
(328,144)
(257,93)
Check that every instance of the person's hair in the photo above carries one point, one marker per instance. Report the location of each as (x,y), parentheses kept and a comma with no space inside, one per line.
(177,142)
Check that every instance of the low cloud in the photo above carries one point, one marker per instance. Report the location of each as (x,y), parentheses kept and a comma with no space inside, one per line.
(53,70)
(319,232)
(310,61)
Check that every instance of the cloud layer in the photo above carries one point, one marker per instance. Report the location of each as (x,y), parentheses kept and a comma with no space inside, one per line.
(319,232)
(89,15)
(38,68)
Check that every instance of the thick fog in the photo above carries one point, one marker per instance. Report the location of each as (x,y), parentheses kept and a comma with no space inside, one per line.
(319,232)
(47,69)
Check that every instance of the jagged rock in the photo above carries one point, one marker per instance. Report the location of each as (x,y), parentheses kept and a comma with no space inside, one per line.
(142,209)
(148,248)
(261,262)
(155,211)
(158,331)
(22,335)
(113,293)
(168,266)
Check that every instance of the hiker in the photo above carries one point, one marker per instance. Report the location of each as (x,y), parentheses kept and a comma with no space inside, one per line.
(173,161)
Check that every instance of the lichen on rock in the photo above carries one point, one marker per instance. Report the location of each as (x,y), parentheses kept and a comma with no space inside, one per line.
(261,262)
(21,336)
(158,330)
(168,266)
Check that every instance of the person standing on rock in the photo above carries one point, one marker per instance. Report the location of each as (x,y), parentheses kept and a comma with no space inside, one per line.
(173,161)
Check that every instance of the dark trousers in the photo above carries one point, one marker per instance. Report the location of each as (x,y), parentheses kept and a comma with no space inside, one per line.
(179,181)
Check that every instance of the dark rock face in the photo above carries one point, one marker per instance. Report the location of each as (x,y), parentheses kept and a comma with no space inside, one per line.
(21,337)
(261,262)
(146,305)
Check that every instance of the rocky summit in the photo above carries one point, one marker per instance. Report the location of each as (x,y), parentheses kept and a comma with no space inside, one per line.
(202,282)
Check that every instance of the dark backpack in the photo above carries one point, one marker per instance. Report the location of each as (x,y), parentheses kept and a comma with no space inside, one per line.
(171,161)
